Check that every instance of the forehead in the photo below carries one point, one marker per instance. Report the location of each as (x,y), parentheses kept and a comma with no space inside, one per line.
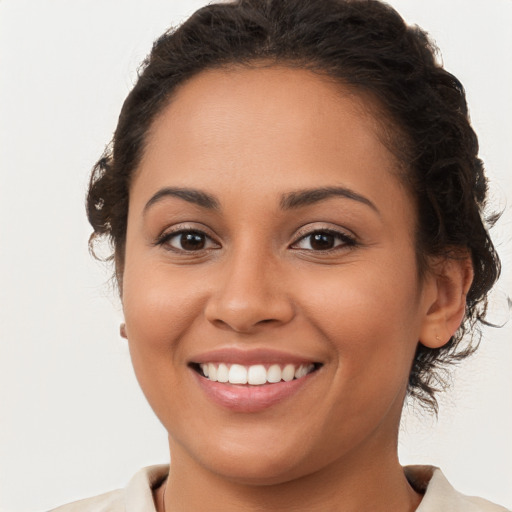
(242,100)
(267,128)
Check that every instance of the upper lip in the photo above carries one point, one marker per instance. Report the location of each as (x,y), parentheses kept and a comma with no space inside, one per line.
(249,357)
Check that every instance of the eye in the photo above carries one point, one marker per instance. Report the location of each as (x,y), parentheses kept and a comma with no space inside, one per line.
(323,240)
(187,240)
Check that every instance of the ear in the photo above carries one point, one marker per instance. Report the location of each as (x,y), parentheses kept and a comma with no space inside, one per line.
(448,284)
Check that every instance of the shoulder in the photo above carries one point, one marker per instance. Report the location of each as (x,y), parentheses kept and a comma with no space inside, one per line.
(108,502)
(135,497)
(439,494)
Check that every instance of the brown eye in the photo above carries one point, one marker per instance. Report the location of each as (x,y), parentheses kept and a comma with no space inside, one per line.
(192,241)
(324,241)
(187,241)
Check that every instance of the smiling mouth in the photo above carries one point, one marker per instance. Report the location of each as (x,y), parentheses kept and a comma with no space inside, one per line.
(254,375)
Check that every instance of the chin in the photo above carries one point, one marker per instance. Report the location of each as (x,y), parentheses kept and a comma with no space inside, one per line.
(252,461)
(260,470)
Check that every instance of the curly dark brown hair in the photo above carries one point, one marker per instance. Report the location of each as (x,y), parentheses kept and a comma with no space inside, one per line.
(364,44)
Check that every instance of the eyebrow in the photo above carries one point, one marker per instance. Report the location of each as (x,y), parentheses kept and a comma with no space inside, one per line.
(307,197)
(187,194)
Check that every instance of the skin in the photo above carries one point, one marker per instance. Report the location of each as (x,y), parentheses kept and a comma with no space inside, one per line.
(248,137)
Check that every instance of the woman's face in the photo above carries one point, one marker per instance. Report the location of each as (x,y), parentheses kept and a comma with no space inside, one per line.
(267,229)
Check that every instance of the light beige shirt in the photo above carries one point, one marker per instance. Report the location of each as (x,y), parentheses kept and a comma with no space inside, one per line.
(439,495)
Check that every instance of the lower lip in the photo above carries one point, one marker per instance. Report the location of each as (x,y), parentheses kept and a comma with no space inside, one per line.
(247,398)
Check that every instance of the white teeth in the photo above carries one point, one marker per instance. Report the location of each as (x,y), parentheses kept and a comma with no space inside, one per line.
(212,372)
(237,374)
(255,375)
(274,373)
(222,373)
(301,371)
(288,372)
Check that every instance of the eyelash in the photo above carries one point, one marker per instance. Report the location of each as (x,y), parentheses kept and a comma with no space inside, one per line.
(165,238)
(346,241)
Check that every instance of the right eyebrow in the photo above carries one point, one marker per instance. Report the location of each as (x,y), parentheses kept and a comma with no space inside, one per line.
(190,195)
(307,197)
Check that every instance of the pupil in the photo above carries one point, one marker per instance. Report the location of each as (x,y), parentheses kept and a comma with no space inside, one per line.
(192,241)
(322,241)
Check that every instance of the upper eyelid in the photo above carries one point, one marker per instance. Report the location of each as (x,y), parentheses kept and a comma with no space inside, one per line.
(187,226)
(180,228)
(304,232)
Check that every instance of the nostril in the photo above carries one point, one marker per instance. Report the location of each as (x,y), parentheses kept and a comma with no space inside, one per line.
(222,324)
(230,311)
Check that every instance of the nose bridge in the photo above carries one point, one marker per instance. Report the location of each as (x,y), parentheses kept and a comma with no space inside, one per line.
(248,292)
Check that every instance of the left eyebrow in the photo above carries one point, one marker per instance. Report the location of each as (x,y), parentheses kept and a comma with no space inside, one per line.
(310,196)
(190,195)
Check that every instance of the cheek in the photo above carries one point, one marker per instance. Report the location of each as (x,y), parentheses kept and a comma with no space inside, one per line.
(370,321)
(369,316)
(160,307)
(159,303)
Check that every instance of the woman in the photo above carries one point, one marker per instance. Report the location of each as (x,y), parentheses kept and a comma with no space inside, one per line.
(294,198)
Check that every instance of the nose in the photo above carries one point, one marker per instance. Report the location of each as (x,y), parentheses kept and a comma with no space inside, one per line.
(249,294)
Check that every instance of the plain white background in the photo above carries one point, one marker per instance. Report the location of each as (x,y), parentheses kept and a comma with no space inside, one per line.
(73,421)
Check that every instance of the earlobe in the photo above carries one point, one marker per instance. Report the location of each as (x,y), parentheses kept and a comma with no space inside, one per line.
(451,280)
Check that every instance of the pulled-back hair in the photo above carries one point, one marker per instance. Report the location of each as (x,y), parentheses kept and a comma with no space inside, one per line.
(363,44)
